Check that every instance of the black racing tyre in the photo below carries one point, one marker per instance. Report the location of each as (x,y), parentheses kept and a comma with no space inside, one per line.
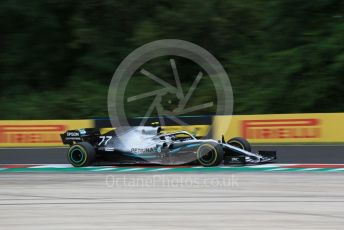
(240,143)
(81,154)
(210,154)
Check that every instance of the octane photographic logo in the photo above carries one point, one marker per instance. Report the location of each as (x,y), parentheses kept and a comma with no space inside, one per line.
(209,67)
(136,91)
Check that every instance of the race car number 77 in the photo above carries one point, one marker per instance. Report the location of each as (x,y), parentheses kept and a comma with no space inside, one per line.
(105,139)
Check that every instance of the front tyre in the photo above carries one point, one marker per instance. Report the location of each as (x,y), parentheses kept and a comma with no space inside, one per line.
(241,143)
(81,154)
(210,154)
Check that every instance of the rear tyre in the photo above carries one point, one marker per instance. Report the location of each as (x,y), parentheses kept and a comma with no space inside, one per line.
(210,154)
(81,154)
(241,143)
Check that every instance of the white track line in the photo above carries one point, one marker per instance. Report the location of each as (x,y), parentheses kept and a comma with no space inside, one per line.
(129,170)
(52,166)
(263,166)
(308,169)
(160,169)
(104,169)
(277,169)
(336,170)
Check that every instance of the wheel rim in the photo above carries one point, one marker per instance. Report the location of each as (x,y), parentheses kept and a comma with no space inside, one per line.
(77,156)
(207,155)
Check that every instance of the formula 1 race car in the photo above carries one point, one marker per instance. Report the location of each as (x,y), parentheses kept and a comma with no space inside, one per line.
(149,145)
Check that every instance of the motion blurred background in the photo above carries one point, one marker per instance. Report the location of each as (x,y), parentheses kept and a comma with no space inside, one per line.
(57,57)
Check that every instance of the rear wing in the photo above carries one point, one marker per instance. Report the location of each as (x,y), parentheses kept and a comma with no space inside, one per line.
(79,135)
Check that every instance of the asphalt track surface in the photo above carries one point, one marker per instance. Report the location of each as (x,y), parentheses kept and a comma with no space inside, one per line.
(159,200)
(327,154)
(172,201)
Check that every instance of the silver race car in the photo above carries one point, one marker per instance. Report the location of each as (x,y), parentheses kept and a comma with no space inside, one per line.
(151,145)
